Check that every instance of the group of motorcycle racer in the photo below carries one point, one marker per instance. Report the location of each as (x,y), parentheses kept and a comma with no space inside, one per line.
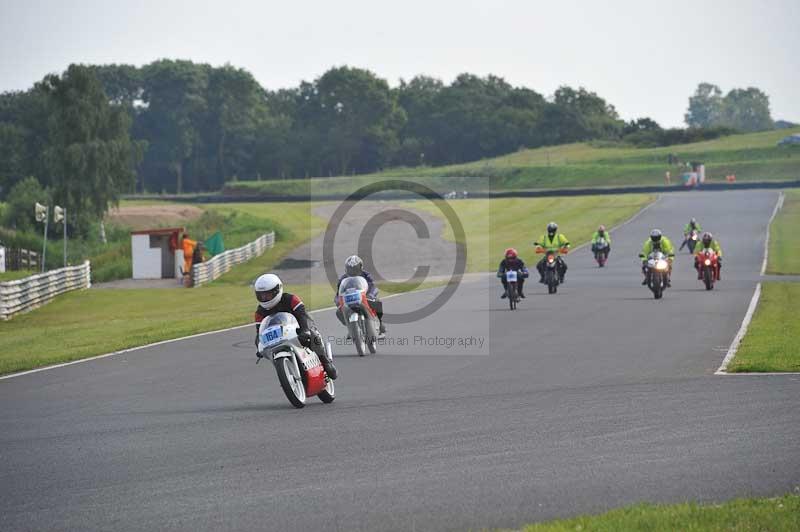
(272,299)
(555,242)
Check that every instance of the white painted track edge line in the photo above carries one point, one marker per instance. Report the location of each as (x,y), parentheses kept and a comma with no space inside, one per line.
(778,206)
(737,340)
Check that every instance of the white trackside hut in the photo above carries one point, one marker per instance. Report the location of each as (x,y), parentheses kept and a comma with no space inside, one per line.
(155,253)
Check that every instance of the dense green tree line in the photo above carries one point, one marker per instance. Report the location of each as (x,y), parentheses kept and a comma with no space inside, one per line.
(195,126)
(205,125)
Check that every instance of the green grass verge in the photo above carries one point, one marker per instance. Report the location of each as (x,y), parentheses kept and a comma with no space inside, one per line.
(752,157)
(771,340)
(92,322)
(490,226)
(784,238)
(82,324)
(779,513)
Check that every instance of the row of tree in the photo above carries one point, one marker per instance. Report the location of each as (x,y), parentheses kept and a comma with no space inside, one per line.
(195,126)
(740,109)
(204,125)
(64,141)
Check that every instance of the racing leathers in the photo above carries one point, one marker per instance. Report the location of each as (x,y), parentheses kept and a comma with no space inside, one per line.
(664,245)
(514,264)
(308,335)
(372,297)
(605,236)
(555,243)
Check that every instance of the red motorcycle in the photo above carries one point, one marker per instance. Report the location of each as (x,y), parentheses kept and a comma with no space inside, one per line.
(708,267)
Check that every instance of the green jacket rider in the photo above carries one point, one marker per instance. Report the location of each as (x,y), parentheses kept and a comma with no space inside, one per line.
(601,233)
(692,226)
(657,242)
(553,241)
(709,242)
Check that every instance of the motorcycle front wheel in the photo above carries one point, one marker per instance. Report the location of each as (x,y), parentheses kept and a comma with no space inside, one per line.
(552,282)
(708,278)
(657,285)
(359,337)
(511,294)
(291,381)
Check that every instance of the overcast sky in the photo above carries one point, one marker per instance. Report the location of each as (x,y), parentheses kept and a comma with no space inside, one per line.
(645,57)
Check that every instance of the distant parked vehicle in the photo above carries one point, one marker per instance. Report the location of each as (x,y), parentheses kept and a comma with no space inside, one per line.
(791,139)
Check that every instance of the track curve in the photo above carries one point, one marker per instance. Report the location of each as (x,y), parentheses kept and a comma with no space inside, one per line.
(587,400)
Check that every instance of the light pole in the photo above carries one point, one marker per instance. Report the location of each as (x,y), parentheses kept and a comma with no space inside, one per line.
(60,215)
(41,216)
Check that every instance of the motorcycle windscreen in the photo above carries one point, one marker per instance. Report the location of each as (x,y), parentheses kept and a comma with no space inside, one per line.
(353,283)
(282,318)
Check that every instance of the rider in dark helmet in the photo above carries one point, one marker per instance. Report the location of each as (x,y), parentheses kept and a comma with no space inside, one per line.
(657,242)
(555,242)
(512,262)
(354,267)
(272,299)
(709,242)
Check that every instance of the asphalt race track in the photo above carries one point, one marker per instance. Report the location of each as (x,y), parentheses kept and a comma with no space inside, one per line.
(590,399)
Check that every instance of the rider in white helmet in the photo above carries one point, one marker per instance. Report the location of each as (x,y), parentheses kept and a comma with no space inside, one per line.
(354,267)
(272,299)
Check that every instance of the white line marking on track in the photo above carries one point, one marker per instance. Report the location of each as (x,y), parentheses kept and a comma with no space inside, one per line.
(737,340)
(742,331)
(778,207)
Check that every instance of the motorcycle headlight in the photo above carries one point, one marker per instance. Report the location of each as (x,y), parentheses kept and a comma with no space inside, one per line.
(661,265)
(550,258)
(708,262)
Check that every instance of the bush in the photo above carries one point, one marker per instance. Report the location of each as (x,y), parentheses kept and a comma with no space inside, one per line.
(653,138)
(21,198)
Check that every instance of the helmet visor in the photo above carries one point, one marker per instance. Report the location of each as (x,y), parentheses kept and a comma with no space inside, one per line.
(267,295)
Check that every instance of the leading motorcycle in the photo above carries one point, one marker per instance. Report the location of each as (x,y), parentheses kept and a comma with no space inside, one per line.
(362,321)
(657,270)
(299,369)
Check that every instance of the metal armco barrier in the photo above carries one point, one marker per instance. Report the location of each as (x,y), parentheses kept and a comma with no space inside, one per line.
(205,272)
(31,292)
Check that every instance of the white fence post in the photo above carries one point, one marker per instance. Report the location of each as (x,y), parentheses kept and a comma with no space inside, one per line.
(34,291)
(205,272)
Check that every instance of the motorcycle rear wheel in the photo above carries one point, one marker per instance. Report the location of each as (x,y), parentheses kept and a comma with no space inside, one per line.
(291,382)
(328,394)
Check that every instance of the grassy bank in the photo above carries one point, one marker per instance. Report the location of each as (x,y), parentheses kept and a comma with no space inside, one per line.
(490,226)
(92,322)
(784,240)
(771,342)
(779,513)
(752,157)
